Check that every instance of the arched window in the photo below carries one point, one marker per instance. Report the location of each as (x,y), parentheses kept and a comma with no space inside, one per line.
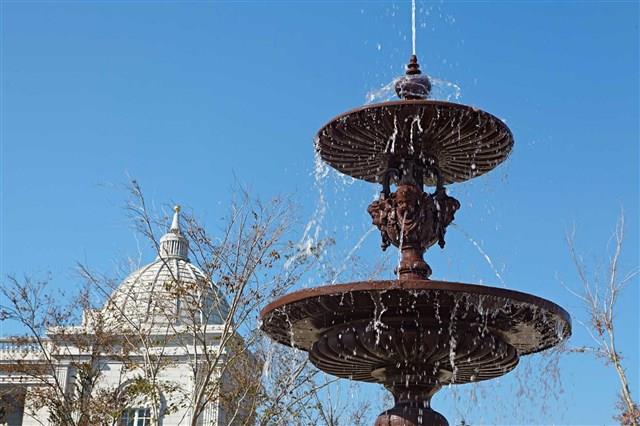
(136,417)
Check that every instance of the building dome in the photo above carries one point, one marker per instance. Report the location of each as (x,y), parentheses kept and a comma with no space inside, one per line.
(169,291)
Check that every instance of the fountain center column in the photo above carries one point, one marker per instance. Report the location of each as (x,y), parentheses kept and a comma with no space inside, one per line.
(412,407)
(413,221)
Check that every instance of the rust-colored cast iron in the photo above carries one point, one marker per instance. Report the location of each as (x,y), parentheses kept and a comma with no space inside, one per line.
(464,141)
(414,335)
(413,221)
(413,85)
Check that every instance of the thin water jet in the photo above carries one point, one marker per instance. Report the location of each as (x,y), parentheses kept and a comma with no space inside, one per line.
(483,253)
(413,27)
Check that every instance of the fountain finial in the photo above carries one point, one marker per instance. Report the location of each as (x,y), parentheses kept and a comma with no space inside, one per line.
(413,67)
(413,85)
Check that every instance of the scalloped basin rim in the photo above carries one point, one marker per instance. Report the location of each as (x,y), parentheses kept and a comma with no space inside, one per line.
(431,285)
(466,141)
(402,102)
(342,339)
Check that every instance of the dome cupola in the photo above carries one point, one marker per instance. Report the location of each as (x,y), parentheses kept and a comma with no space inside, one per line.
(173,245)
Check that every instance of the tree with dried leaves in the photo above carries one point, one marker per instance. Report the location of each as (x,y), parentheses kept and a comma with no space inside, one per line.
(599,295)
(38,361)
(208,324)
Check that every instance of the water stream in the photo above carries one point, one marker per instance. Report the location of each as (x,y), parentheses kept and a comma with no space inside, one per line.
(404,218)
(413,25)
(442,90)
(484,254)
(349,255)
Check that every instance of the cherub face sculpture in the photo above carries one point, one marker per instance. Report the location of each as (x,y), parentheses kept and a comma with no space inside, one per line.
(406,203)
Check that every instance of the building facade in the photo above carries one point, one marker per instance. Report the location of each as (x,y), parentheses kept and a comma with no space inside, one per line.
(154,347)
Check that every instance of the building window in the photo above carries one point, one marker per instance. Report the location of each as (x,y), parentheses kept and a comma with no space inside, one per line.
(136,417)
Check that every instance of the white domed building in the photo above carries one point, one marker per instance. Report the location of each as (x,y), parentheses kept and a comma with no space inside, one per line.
(166,315)
(168,291)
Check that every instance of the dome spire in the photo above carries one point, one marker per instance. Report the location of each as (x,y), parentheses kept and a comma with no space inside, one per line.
(175,223)
(173,244)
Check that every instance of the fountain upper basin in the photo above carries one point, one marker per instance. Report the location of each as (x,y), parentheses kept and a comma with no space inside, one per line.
(463,141)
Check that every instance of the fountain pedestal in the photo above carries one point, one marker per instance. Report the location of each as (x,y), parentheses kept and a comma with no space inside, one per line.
(412,407)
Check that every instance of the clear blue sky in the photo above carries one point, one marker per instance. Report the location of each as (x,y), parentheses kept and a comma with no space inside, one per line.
(187,96)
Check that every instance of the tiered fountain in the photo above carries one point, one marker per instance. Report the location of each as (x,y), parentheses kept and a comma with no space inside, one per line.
(414,334)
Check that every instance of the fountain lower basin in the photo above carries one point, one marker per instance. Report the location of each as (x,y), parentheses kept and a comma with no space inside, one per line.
(414,336)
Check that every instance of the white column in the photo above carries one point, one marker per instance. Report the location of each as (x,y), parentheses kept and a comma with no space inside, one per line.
(210,414)
(62,373)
